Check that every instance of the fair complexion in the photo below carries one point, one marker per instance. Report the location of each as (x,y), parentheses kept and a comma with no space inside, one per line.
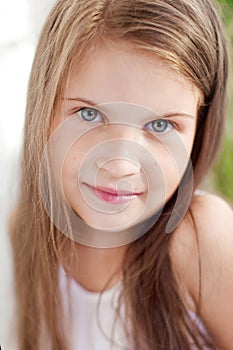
(117,73)
(214,222)
(113,73)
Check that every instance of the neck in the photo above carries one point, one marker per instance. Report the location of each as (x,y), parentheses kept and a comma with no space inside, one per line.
(92,267)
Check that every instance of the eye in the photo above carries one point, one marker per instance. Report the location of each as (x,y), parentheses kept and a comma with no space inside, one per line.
(90,114)
(160,126)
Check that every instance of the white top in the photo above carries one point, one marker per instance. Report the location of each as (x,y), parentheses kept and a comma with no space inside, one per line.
(85,332)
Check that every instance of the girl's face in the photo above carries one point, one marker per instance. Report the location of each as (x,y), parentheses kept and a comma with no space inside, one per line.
(136,118)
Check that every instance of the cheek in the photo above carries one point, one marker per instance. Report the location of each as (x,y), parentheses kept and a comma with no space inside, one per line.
(70,175)
(172,157)
(167,165)
(73,162)
(79,164)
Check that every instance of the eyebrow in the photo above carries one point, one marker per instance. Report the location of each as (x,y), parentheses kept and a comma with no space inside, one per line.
(93,103)
(81,99)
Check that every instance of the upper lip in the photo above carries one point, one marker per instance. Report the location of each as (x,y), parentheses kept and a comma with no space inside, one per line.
(113,191)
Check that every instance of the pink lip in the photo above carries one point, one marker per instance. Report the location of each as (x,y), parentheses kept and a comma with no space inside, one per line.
(112,196)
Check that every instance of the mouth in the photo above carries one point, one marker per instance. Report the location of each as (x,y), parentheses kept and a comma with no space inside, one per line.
(110,195)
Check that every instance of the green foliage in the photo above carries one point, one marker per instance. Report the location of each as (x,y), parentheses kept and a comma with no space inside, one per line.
(222,175)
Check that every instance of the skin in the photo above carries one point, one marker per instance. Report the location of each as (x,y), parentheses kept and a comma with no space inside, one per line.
(154,87)
(214,222)
(116,72)
(127,76)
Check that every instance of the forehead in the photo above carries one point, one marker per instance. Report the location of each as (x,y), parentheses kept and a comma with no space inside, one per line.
(118,72)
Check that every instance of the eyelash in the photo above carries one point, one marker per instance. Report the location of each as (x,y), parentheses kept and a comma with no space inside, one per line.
(92,109)
(169,123)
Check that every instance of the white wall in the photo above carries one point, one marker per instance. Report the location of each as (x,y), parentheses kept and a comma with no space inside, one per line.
(20,24)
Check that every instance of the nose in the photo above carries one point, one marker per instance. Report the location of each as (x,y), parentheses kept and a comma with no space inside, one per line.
(119,163)
(118,167)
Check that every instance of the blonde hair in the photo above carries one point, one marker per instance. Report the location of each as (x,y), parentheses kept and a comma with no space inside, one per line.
(186,33)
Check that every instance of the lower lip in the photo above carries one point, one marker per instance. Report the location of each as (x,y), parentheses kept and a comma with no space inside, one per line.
(111,197)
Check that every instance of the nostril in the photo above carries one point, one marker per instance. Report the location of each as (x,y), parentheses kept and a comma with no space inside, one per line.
(119,167)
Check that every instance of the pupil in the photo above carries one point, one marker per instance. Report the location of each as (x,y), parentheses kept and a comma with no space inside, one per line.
(89,114)
(160,125)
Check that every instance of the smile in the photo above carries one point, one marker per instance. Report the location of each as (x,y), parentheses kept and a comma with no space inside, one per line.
(111,195)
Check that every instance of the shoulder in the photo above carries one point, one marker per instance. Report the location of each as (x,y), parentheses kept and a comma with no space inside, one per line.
(212,213)
(207,230)
(206,264)
(213,220)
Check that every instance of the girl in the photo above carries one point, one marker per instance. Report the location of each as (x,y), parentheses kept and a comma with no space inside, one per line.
(113,246)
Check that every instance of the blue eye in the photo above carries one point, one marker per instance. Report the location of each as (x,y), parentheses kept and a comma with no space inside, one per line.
(90,114)
(160,126)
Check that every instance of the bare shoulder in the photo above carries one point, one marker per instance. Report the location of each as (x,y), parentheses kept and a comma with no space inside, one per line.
(204,260)
(207,228)
(212,213)
(213,219)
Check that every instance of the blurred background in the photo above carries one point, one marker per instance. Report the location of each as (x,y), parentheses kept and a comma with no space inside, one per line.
(20,24)
(221,178)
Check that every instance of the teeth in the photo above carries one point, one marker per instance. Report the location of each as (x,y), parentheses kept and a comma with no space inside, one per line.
(126,197)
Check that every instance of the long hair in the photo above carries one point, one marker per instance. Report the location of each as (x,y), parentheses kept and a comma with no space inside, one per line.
(188,35)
